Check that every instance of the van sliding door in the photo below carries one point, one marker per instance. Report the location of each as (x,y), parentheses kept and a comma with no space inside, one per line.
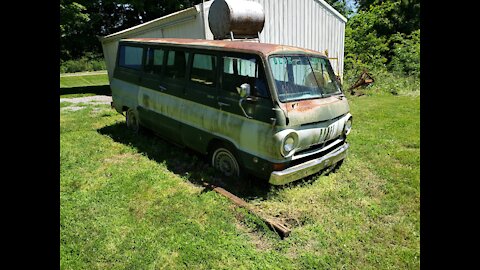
(162,89)
(201,92)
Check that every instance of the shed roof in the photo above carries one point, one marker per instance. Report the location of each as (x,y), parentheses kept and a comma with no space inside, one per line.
(164,21)
(235,45)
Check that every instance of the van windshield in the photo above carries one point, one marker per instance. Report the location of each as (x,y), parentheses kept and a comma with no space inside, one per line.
(300,77)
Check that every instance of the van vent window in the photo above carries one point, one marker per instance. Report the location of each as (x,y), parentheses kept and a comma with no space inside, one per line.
(176,64)
(131,57)
(154,61)
(203,69)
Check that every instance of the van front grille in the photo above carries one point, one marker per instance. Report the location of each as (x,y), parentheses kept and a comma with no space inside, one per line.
(318,149)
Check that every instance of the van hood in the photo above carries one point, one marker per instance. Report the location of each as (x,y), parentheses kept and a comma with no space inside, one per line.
(315,110)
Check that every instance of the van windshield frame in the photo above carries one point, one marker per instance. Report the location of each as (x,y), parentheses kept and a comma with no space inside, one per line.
(302,77)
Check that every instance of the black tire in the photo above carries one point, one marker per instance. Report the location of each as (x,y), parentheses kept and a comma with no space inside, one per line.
(131,118)
(335,167)
(224,159)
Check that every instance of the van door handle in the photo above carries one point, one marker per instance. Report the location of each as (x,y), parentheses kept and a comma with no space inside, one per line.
(162,88)
(223,104)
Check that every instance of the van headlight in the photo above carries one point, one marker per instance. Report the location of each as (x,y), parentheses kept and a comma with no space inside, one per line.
(348,126)
(289,143)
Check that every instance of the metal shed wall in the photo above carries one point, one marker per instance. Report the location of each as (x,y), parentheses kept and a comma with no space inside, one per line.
(311,24)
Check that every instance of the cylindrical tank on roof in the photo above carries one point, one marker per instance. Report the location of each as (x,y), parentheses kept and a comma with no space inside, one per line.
(243,18)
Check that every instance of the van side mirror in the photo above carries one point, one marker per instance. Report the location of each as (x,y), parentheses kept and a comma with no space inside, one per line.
(244,90)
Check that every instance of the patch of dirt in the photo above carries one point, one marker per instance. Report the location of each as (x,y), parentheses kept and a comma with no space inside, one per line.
(99,99)
(258,239)
(72,108)
(94,100)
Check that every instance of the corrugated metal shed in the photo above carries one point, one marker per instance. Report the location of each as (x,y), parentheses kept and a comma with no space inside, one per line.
(311,24)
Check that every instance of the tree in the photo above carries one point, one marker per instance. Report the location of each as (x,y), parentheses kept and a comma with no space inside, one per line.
(366,44)
(380,33)
(406,53)
(406,15)
(341,6)
(72,20)
(83,21)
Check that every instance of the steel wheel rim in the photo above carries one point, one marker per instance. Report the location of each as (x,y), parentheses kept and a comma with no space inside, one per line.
(132,121)
(225,162)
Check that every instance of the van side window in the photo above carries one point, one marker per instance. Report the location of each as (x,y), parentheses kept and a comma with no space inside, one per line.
(176,64)
(203,69)
(154,61)
(131,57)
(237,71)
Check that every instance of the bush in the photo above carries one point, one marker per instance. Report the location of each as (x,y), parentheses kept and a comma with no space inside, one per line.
(378,38)
(365,46)
(89,62)
(406,54)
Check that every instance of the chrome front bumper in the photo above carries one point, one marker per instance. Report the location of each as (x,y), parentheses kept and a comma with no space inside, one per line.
(309,167)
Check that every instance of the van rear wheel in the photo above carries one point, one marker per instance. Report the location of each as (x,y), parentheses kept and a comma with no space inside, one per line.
(132,121)
(223,159)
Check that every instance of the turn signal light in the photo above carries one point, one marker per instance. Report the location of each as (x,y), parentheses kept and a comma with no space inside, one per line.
(279,166)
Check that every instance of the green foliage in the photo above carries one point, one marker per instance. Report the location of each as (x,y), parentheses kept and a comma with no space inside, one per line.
(73,19)
(82,21)
(365,47)
(89,62)
(341,6)
(406,54)
(379,37)
(406,18)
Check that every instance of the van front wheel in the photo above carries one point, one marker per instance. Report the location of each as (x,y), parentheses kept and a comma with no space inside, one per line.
(224,160)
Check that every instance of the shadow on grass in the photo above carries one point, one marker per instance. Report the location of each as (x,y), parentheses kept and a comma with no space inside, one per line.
(194,166)
(187,163)
(92,89)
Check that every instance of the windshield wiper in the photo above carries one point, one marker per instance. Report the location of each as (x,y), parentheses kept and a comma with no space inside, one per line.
(338,95)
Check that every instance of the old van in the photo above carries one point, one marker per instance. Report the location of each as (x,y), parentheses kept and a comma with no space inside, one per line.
(277,112)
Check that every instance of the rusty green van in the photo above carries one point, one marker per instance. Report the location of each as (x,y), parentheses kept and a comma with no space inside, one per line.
(277,112)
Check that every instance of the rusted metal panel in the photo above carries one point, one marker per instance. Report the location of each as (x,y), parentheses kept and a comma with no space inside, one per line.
(242,18)
(364,79)
(255,47)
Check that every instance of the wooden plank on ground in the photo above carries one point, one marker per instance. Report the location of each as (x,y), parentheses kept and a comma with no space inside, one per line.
(272,224)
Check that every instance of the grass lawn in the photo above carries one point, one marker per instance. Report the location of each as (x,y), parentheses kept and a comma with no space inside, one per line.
(81,86)
(135,202)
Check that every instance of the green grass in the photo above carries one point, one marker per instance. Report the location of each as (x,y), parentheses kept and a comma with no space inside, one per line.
(81,86)
(135,202)
(89,80)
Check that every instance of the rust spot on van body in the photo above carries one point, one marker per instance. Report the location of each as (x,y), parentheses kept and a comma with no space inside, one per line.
(314,110)
(307,105)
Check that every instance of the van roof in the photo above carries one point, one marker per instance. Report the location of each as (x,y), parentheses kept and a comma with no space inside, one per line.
(236,45)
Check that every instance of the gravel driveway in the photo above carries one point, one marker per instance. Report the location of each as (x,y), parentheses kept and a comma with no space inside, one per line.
(92,100)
